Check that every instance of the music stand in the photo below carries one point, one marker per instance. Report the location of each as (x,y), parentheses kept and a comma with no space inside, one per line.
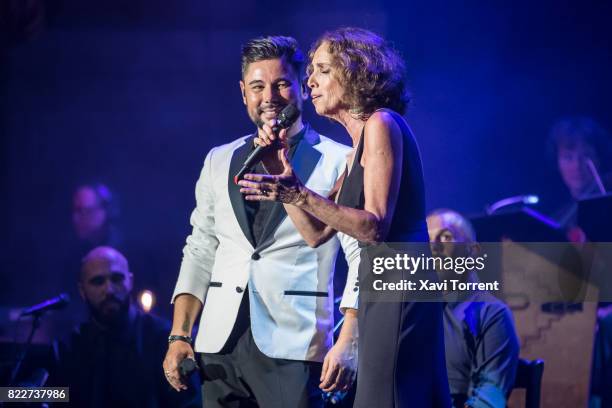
(595,218)
(522,225)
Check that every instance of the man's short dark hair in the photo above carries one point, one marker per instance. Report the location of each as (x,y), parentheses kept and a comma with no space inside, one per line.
(273,47)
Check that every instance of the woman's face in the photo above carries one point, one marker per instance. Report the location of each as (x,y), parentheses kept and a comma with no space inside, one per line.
(326,91)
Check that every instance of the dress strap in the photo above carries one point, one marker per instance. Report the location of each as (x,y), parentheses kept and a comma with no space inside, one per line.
(359,151)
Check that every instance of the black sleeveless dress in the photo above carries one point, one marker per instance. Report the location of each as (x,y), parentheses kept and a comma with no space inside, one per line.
(401,343)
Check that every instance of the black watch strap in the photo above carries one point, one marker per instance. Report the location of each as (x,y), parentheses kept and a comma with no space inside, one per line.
(175,337)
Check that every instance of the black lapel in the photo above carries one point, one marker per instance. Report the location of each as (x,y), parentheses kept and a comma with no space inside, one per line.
(304,160)
(236,198)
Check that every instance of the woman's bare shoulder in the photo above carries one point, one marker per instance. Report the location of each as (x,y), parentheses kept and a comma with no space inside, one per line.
(380,128)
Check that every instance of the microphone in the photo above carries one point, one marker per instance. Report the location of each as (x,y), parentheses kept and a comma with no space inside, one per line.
(187,367)
(57,302)
(285,119)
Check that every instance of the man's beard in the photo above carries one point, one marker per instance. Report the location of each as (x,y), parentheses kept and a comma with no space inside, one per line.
(114,318)
(260,111)
(459,250)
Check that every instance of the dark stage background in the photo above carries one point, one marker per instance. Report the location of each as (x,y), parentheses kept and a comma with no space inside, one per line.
(134,93)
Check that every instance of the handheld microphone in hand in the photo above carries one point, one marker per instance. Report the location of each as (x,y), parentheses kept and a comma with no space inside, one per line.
(57,302)
(187,367)
(285,119)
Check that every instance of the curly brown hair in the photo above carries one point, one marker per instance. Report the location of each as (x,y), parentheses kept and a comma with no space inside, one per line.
(371,70)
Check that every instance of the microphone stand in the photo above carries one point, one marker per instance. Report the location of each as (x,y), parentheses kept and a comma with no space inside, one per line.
(22,354)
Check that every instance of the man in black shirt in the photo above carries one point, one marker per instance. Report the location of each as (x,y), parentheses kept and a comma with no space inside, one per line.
(112,360)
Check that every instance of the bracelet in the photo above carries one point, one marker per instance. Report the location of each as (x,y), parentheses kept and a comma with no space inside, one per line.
(301,197)
(175,337)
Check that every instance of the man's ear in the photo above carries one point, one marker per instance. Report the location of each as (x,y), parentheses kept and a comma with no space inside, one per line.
(242,92)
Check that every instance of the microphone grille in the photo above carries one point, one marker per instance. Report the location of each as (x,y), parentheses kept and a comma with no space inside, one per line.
(287,116)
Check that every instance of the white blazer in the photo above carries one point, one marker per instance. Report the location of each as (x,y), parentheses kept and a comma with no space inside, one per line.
(290,284)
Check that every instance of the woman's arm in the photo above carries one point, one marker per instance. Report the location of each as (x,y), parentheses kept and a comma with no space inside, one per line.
(382,162)
(340,363)
(312,229)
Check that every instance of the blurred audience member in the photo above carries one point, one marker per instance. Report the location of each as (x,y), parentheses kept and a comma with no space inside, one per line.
(480,339)
(113,359)
(94,212)
(93,217)
(582,151)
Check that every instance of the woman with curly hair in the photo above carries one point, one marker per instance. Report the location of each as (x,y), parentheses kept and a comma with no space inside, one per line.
(357,79)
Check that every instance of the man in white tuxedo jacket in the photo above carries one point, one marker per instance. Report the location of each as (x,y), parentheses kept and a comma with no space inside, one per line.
(266,328)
